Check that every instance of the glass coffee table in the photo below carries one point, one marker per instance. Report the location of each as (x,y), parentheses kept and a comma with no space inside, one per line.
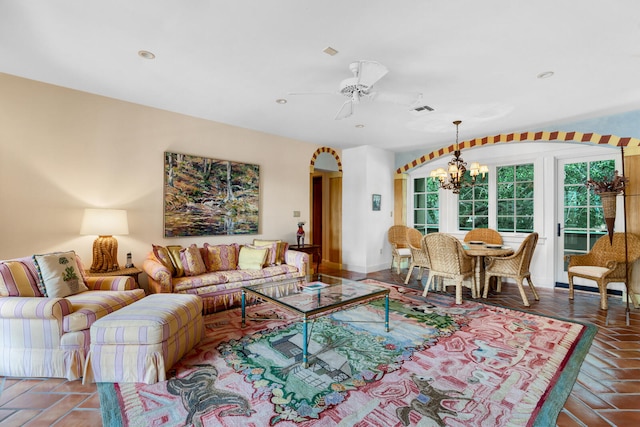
(314,296)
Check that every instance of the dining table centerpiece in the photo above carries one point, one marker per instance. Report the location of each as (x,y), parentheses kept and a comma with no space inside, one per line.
(608,190)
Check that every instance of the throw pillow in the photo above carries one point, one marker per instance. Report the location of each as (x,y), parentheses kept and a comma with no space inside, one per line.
(60,274)
(18,280)
(174,254)
(192,261)
(281,248)
(221,257)
(252,258)
(162,255)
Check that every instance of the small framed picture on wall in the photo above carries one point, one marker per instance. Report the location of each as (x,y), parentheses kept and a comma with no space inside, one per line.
(376,200)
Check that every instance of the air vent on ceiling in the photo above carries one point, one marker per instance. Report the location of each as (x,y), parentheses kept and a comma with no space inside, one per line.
(422,108)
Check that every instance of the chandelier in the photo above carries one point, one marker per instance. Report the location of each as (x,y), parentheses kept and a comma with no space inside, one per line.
(453,177)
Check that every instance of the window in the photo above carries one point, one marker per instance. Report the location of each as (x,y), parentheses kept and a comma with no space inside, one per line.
(584,219)
(514,211)
(473,206)
(425,205)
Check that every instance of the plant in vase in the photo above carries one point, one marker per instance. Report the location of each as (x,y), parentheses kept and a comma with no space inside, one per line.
(608,189)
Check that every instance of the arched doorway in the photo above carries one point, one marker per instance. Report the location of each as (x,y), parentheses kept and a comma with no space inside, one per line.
(326,205)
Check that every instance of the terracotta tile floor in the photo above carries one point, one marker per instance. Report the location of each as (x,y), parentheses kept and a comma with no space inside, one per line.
(607,392)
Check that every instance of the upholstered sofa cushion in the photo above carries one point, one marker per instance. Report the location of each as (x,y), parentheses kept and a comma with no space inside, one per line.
(174,253)
(588,270)
(162,254)
(206,279)
(277,248)
(92,305)
(18,278)
(60,274)
(252,258)
(221,257)
(192,261)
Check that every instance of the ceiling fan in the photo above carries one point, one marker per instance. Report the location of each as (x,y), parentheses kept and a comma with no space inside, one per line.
(365,75)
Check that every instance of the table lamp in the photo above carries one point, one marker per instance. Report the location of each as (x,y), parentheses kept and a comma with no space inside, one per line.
(105,223)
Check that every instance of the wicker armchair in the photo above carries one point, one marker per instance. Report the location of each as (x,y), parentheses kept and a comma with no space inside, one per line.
(419,256)
(605,263)
(397,236)
(449,261)
(487,235)
(516,266)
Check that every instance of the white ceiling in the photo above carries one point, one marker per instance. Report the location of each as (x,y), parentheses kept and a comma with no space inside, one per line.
(228,61)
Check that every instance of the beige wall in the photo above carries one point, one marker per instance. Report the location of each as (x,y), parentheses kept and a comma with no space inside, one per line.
(63,150)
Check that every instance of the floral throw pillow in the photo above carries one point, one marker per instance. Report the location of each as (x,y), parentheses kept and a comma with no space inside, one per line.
(59,273)
(221,257)
(192,261)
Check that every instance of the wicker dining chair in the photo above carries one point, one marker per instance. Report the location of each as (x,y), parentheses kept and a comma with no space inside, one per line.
(516,266)
(605,263)
(419,256)
(486,235)
(397,236)
(449,262)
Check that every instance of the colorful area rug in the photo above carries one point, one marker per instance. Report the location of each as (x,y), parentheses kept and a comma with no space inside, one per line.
(441,364)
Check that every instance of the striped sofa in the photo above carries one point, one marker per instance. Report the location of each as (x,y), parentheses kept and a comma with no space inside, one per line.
(49,337)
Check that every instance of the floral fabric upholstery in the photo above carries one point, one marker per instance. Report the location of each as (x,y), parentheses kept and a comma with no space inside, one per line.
(221,257)
(221,290)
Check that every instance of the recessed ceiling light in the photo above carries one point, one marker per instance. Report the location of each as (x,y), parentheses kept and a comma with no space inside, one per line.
(146,54)
(281,101)
(545,75)
(330,51)
(360,126)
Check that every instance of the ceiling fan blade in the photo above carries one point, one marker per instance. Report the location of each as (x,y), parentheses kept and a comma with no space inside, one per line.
(345,111)
(313,93)
(369,72)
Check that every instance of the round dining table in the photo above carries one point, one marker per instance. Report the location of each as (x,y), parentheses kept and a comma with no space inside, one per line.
(481,250)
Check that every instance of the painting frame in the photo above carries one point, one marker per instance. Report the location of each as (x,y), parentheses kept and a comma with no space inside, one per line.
(203,196)
(376,202)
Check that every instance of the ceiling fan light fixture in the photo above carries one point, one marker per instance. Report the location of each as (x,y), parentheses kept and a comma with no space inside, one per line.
(281,101)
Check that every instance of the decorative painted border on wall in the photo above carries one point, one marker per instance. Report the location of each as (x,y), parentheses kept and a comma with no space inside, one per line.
(590,138)
(325,150)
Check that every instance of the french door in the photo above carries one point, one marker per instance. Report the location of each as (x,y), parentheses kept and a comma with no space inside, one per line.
(580,216)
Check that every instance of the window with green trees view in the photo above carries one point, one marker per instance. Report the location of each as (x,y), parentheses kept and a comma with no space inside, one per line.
(425,205)
(473,206)
(514,211)
(583,215)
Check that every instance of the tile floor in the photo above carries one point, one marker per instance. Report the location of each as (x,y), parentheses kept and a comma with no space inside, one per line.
(607,392)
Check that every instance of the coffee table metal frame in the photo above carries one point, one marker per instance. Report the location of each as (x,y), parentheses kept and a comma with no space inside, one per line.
(313,296)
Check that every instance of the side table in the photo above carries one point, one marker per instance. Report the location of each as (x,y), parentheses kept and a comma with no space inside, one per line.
(315,250)
(130,271)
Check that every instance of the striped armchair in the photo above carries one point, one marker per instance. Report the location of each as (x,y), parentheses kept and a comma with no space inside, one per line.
(49,337)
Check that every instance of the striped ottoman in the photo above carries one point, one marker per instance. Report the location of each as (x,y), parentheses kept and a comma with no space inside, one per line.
(141,341)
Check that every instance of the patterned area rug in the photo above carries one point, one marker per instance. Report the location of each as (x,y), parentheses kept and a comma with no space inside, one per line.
(441,364)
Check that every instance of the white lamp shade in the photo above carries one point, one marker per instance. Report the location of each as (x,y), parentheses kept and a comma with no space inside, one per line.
(105,222)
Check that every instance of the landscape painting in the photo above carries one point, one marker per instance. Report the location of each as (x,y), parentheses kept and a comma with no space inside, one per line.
(205,197)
